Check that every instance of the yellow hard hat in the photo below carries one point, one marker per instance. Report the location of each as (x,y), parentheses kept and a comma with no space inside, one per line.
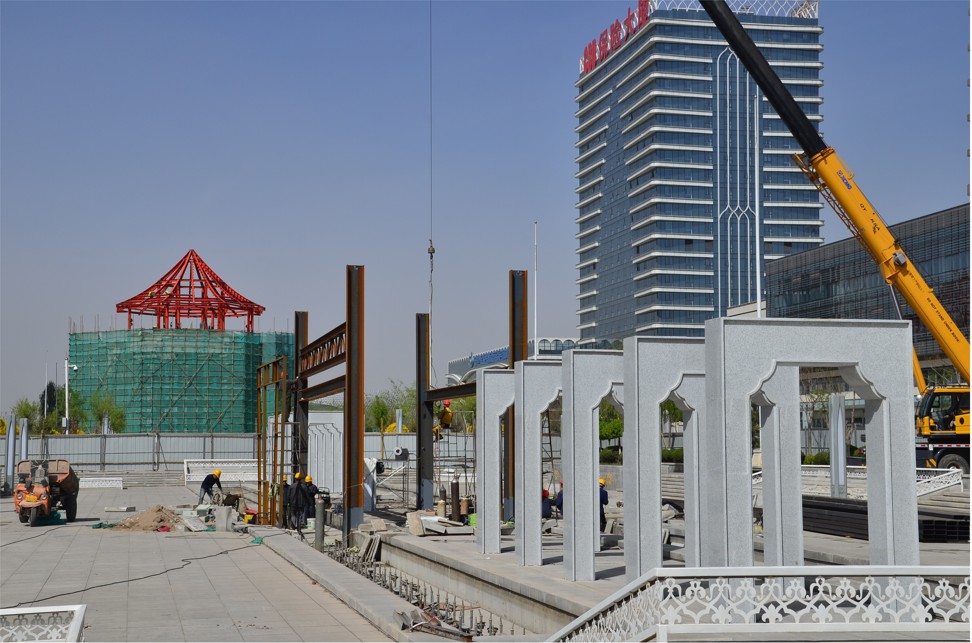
(298,475)
(284,479)
(217,473)
(309,478)
(601,482)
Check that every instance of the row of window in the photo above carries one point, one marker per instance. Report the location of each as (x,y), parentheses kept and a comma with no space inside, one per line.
(672,138)
(675,263)
(675,299)
(773,54)
(671,174)
(669,280)
(694,121)
(692,192)
(674,317)
(674,245)
(701,226)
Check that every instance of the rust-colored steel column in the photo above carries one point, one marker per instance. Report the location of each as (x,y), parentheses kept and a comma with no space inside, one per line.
(518,351)
(299,450)
(354,398)
(424,490)
(263,495)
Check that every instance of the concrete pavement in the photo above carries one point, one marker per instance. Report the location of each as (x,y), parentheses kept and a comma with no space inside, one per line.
(176,586)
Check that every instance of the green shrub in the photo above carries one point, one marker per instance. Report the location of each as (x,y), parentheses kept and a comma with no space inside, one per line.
(611,456)
(672,455)
(823,457)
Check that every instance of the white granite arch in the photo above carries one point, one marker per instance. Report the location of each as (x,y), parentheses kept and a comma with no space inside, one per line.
(741,357)
(588,376)
(537,386)
(654,369)
(779,402)
(494,395)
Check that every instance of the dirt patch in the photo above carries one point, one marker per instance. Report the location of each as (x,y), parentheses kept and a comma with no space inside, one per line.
(151,520)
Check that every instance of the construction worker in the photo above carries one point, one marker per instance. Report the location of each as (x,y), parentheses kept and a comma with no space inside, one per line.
(445,415)
(207,485)
(546,509)
(286,502)
(603,503)
(298,501)
(312,492)
(445,420)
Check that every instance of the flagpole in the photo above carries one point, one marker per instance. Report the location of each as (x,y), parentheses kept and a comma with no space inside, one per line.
(45,385)
(536,289)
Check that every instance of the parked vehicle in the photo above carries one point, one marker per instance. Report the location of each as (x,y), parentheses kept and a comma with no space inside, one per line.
(43,486)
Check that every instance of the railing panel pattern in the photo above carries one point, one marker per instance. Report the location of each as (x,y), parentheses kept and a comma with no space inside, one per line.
(48,623)
(766,598)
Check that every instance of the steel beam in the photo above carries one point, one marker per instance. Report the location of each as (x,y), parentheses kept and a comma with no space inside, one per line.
(299,454)
(324,352)
(450,392)
(324,389)
(518,352)
(424,490)
(354,398)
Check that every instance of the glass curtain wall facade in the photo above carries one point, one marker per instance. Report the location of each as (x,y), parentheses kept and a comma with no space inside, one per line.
(841,281)
(685,182)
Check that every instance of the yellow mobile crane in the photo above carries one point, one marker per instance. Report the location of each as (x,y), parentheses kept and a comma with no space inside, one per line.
(942,418)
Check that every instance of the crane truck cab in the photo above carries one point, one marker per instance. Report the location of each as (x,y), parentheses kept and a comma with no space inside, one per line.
(942,428)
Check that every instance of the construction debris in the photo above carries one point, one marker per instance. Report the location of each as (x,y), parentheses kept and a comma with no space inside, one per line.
(425,621)
(152,519)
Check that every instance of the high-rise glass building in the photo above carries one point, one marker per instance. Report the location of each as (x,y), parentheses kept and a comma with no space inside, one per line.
(685,186)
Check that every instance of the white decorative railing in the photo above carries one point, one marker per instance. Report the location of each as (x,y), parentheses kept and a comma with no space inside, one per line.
(928,480)
(101,483)
(764,601)
(823,471)
(932,480)
(195,471)
(797,8)
(48,623)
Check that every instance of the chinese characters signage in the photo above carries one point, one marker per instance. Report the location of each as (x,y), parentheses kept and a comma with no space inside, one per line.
(614,36)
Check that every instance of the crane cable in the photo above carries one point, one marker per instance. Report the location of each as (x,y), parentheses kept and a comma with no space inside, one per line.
(431,364)
(431,249)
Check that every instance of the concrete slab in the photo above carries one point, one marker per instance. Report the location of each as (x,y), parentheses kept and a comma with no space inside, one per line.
(137,585)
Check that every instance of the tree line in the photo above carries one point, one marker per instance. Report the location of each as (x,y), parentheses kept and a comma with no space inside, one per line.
(87,414)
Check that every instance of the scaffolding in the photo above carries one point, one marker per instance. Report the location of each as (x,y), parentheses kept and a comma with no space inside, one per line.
(176,380)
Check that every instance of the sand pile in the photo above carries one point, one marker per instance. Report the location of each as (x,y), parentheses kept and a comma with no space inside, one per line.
(151,520)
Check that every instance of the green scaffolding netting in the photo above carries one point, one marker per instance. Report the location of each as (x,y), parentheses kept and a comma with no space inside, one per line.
(178,380)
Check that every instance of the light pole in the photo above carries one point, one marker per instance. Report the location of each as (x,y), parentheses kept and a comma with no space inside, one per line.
(67,395)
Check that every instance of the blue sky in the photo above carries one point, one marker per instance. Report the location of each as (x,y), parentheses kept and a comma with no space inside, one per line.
(283,141)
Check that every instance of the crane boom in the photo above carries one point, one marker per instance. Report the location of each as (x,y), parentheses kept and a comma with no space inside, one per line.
(831,176)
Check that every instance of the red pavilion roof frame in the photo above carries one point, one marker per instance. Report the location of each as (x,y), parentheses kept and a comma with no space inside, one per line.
(191,290)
